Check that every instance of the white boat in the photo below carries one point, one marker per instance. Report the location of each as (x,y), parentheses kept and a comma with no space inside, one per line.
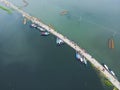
(33,25)
(41,29)
(85,61)
(24,21)
(59,41)
(79,57)
(45,33)
(112,73)
(106,67)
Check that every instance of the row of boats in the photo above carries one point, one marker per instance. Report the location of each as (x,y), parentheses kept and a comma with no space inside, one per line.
(82,59)
(44,32)
(109,70)
(59,42)
(41,29)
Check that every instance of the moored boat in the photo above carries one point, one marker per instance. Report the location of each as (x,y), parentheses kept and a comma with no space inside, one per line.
(112,73)
(85,61)
(33,25)
(81,58)
(45,33)
(109,70)
(40,28)
(105,66)
(59,41)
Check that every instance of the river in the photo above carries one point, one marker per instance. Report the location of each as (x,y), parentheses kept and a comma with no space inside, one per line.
(29,61)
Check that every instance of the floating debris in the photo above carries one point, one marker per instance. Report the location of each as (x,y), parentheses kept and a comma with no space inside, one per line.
(64,12)
(111,43)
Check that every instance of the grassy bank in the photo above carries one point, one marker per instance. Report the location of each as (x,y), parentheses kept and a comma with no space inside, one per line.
(6,9)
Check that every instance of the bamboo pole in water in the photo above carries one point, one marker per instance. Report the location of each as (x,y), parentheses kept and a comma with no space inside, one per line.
(111,43)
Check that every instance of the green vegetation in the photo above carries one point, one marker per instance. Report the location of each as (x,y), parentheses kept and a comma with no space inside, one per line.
(107,82)
(115,88)
(6,9)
